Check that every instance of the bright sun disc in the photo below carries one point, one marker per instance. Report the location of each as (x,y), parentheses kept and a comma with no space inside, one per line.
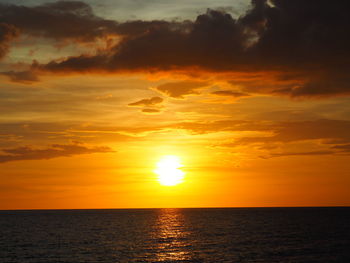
(168,170)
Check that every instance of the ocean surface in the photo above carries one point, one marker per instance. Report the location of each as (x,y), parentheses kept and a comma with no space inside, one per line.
(270,235)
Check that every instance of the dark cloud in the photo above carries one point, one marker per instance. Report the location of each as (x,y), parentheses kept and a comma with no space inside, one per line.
(230,93)
(139,27)
(310,153)
(150,111)
(7,33)
(147,102)
(345,148)
(206,42)
(71,20)
(55,150)
(60,20)
(303,45)
(179,89)
(21,76)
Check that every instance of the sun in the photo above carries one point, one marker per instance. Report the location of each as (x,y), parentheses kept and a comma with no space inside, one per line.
(168,170)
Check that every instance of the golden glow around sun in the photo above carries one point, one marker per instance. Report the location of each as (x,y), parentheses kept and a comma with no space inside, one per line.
(168,170)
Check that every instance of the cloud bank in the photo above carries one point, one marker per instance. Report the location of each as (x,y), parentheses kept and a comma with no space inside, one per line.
(299,48)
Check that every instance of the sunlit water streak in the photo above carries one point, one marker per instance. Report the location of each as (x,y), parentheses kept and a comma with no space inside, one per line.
(173,238)
(176,235)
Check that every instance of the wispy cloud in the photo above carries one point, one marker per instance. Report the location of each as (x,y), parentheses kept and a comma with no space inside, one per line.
(306,153)
(230,93)
(180,89)
(27,76)
(147,102)
(54,151)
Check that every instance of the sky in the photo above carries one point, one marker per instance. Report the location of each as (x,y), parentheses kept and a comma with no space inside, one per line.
(252,97)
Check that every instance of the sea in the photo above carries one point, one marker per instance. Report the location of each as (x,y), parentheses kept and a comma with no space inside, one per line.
(288,235)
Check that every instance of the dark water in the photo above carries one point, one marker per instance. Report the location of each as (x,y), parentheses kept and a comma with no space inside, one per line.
(176,235)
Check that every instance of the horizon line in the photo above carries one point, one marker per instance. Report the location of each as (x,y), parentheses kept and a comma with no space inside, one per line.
(149,208)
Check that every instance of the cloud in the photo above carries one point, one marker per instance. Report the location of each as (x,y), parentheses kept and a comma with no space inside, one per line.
(179,89)
(14,133)
(331,136)
(64,21)
(323,129)
(61,20)
(230,93)
(147,102)
(205,42)
(54,151)
(7,33)
(345,148)
(278,138)
(225,125)
(21,76)
(310,153)
(302,45)
(329,132)
(150,111)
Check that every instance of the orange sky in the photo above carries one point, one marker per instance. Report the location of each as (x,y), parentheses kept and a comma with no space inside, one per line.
(87,111)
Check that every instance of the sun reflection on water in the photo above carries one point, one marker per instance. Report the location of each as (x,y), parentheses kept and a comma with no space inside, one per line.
(172,237)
